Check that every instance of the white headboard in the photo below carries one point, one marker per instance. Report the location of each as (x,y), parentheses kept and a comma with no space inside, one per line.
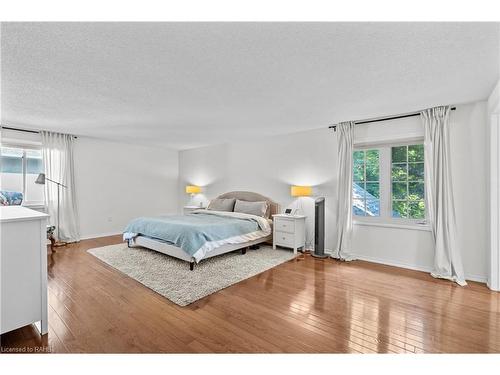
(272,207)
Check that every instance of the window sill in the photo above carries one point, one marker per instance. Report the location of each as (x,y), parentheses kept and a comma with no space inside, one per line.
(33,205)
(421,227)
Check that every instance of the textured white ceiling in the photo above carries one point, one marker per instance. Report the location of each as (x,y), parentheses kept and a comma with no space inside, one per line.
(185,85)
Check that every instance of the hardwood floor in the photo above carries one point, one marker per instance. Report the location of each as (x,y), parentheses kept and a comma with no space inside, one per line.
(308,306)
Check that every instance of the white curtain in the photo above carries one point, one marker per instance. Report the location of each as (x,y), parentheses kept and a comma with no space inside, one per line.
(439,195)
(57,151)
(345,141)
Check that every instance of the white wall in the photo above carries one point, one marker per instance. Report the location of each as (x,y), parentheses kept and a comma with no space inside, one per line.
(470,158)
(116,182)
(271,165)
(268,166)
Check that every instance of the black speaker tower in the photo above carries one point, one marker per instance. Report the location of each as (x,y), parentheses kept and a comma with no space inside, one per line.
(319,228)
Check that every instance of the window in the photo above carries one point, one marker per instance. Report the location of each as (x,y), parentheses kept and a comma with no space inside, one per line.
(388,183)
(366,185)
(19,169)
(407,178)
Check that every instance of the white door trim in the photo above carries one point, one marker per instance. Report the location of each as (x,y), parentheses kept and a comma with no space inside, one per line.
(494,258)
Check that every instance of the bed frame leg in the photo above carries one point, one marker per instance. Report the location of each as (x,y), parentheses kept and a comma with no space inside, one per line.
(128,243)
(244,251)
(191,266)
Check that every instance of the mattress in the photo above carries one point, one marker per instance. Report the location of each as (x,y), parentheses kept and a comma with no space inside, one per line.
(201,231)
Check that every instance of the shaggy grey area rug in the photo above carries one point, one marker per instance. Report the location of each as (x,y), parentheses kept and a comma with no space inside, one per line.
(172,278)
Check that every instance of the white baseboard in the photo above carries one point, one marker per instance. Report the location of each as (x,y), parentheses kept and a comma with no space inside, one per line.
(480,279)
(489,286)
(391,263)
(477,278)
(91,236)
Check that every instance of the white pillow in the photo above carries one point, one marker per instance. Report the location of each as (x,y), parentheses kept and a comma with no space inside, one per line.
(221,204)
(252,208)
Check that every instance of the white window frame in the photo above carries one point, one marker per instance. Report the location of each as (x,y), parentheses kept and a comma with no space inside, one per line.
(385,218)
(24,147)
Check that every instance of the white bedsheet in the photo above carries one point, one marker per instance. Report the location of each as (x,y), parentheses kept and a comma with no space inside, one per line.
(212,245)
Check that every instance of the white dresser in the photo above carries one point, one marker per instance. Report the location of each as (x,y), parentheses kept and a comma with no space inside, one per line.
(289,231)
(23,268)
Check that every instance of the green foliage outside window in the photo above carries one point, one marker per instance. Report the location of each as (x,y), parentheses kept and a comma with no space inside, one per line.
(407,177)
(366,185)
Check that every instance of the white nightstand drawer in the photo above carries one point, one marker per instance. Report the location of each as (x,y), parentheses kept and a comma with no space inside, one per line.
(283,225)
(289,231)
(284,239)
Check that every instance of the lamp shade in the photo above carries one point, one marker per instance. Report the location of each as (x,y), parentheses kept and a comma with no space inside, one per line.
(300,191)
(193,189)
(40,179)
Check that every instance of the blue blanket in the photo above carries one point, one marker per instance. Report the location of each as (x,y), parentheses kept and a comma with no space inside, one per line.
(191,232)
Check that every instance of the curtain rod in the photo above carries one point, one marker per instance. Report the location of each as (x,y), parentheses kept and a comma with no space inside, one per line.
(25,130)
(334,127)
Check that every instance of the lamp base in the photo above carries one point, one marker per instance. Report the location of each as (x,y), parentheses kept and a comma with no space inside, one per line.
(323,256)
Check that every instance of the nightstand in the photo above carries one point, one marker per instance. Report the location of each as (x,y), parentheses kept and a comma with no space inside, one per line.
(188,209)
(289,231)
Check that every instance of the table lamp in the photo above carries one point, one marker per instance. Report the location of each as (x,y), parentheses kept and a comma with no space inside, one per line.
(193,189)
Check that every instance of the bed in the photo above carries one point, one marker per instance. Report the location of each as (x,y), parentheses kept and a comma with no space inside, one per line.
(217,232)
